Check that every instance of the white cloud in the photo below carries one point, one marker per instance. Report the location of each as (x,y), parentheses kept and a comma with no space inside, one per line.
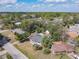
(9,5)
(50,5)
(7,1)
(54,0)
(77,1)
(35,6)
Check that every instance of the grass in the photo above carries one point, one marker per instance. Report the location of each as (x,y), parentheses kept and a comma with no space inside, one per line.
(77,49)
(9,57)
(61,56)
(27,49)
(25,52)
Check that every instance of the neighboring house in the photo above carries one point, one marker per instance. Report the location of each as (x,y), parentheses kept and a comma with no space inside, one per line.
(74,28)
(47,33)
(61,47)
(33,16)
(18,30)
(73,33)
(57,21)
(17,23)
(36,38)
(72,37)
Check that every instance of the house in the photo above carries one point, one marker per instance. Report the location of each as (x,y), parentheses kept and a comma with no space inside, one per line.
(36,38)
(18,30)
(57,20)
(17,23)
(73,33)
(74,28)
(33,16)
(72,38)
(47,33)
(61,47)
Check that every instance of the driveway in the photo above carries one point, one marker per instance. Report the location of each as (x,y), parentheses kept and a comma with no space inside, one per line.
(15,53)
(73,56)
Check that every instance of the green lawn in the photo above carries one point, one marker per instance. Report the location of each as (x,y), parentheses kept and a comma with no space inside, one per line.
(25,52)
(9,57)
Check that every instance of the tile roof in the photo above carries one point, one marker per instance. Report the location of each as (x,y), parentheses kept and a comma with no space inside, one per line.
(62,47)
(72,34)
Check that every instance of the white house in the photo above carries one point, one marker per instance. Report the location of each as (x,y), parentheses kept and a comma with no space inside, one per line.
(18,30)
(17,23)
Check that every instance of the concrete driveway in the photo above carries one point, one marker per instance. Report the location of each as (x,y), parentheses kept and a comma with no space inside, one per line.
(15,53)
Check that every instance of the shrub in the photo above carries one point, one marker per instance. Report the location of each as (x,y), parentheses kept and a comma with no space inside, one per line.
(37,47)
(46,51)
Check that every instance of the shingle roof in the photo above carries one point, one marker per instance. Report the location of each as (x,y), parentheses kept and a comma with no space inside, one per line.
(35,37)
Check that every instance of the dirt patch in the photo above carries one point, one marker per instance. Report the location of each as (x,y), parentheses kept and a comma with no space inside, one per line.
(27,47)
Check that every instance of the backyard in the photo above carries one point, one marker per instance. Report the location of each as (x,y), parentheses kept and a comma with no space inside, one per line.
(28,50)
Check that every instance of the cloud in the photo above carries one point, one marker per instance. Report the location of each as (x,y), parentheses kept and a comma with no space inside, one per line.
(7,1)
(77,1)
(53,0)
(39,7)
(50,5)
(36,5)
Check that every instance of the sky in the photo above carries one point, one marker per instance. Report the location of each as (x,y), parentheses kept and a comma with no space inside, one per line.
(39,5)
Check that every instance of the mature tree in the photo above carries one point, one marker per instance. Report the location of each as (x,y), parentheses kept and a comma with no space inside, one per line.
(25,23)
(46,51)
(19,37)
(22,37)
(47,42)
(56,36)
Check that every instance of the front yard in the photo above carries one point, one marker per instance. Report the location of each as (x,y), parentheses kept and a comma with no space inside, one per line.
(77,49)
(9,34)
(27,49)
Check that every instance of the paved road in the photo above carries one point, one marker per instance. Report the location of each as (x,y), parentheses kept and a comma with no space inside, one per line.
(15,53)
